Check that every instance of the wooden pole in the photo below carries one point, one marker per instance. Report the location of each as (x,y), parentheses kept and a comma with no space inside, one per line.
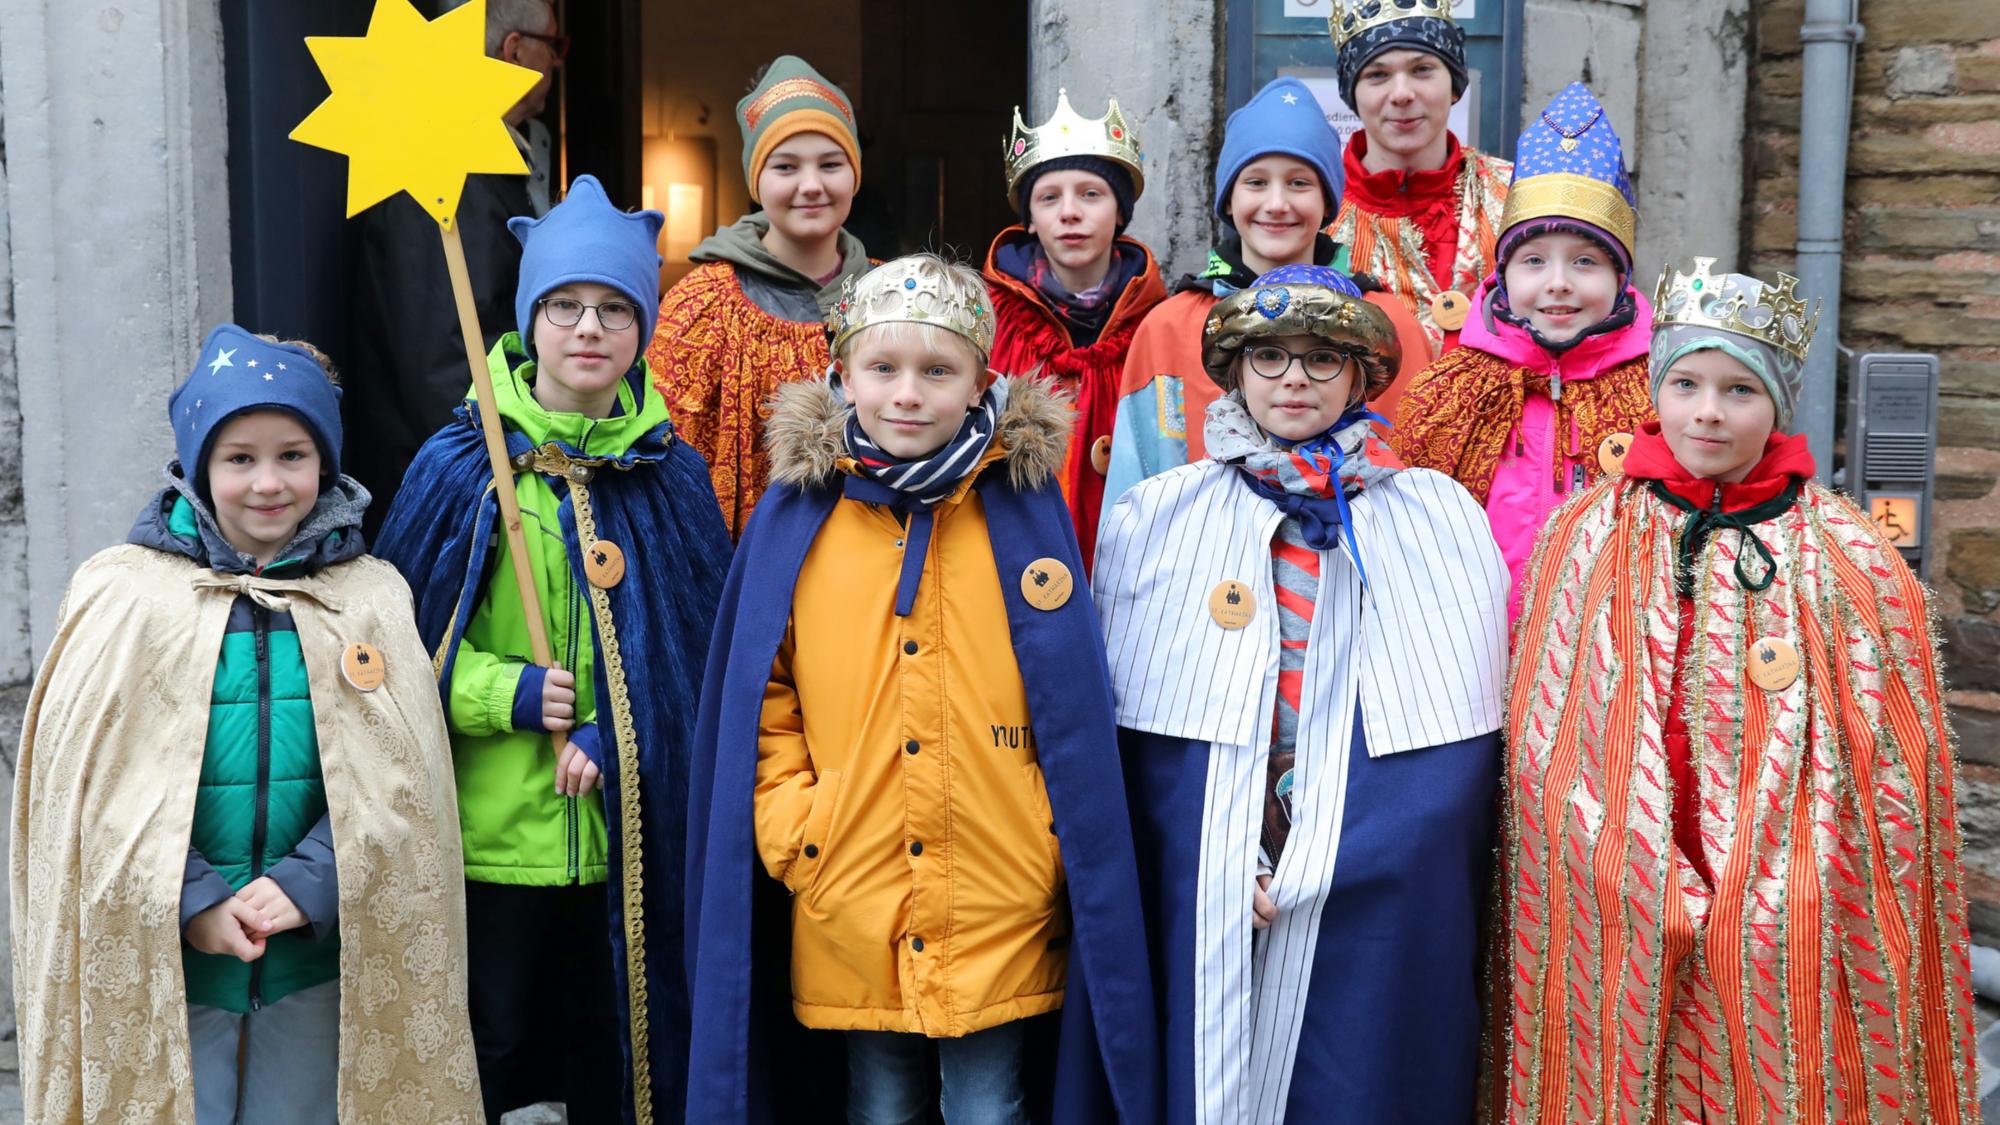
(496,454)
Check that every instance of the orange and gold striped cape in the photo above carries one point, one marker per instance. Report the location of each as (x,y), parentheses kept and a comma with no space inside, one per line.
(718,358)
(1824,976)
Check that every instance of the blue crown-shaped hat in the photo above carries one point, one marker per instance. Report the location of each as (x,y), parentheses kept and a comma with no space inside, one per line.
(585,238)
(237,372)
(1570,164)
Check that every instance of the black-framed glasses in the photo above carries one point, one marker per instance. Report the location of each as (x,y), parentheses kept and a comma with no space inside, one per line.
(1322,365)
(558,45)
(613,316)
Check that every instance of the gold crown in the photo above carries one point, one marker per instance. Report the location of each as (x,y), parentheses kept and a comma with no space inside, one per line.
(913,290)
(1773,315)
(1352,17)
(1068,133)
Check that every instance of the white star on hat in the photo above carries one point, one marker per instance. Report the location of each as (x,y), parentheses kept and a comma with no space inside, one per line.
(1290,99)
(221,361)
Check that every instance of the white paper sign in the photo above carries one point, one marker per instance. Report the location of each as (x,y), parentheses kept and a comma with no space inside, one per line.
(1320,9)
(1326,90)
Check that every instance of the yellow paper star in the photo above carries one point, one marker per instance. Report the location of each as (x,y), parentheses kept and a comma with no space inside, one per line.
(415,105)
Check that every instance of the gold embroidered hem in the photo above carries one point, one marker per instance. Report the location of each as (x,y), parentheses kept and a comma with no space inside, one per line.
(631,819)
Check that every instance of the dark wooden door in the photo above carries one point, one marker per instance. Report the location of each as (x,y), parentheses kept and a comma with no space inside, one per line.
(940,83)
(596,97)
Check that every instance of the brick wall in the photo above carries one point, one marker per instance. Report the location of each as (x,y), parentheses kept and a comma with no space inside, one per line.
(1921,273)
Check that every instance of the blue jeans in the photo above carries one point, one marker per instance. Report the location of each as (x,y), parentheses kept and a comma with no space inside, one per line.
(981,1077)
(291,1060)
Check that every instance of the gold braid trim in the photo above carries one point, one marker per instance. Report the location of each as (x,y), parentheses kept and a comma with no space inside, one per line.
(630,871)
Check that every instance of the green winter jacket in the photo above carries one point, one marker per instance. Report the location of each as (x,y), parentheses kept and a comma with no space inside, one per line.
(515,827)
(260,795)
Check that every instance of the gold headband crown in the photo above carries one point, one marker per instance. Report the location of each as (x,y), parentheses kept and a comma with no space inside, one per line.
(1772,315)
(919,289)
(1068,133)
(1352,17)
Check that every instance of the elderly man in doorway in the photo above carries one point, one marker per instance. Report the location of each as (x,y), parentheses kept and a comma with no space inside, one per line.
(407,371)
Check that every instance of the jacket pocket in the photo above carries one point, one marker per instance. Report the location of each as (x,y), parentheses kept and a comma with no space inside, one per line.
(813,843)
(1044,824)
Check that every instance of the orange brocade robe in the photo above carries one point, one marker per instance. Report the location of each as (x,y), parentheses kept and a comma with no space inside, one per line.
(718,358)
(1822,975)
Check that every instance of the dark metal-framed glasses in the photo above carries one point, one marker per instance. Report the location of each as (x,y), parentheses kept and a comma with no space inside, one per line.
(1322,365)
(558,45)
(614,316)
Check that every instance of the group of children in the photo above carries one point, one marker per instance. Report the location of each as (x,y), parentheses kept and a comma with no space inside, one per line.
(1032,754)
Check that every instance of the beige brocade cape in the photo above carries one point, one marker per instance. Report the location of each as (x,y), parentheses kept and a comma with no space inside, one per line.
(104,797)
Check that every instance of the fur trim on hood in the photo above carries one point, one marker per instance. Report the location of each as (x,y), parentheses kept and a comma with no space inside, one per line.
(807,433)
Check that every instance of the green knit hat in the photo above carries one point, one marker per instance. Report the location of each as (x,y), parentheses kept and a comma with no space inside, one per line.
(793,98)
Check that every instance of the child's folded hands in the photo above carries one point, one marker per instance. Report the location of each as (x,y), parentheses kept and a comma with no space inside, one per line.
(269,900)
(231,927)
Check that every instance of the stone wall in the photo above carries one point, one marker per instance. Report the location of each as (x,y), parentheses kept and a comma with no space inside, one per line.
(1921,273)
(1163,63)
(1672,75)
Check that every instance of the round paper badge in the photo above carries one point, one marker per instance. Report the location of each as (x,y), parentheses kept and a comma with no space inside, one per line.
(1448,309)
(1232,604)
(1100,455)
(1047,584)
(604,564)
(1774,663)
(1611,453)
(361,665)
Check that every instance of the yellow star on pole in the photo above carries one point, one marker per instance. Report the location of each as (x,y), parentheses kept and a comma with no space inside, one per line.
(415,105)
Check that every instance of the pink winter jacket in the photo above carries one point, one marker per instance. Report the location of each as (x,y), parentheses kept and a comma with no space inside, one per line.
(1527,487)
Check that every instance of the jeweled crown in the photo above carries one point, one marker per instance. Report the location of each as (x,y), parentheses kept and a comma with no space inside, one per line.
(1774,316)
(1068,133)
(1352,17)
(919,289)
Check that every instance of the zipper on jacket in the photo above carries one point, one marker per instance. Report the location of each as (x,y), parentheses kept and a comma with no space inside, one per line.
(260,619)
(572,830)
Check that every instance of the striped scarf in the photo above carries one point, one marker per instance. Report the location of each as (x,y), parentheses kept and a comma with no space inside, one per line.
(1309,481)
(921,483)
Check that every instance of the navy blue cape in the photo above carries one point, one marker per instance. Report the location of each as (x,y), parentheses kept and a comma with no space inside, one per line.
(1392,1019)
(750,1056)
(657,502)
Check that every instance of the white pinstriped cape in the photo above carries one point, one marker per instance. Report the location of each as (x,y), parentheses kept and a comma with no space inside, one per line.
(1419,656)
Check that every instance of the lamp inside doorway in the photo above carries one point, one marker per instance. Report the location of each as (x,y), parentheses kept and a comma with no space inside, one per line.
(680,183)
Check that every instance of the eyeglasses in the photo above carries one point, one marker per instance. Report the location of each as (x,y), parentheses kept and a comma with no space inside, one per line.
(558,45)
(1322,365)
(612,316)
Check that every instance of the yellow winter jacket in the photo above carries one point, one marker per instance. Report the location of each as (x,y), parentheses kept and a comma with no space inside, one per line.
(898,795)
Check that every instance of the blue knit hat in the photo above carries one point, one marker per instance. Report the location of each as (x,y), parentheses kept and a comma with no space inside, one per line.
(237,372)
(1283,117)
(585,238)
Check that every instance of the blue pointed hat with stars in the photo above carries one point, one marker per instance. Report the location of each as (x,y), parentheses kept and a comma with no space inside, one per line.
(237,372)
(1570,165)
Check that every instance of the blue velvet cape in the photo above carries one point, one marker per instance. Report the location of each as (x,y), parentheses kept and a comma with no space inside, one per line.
(751,1060)
(656,501)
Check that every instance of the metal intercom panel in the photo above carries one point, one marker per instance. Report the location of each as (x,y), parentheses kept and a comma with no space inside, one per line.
(1892,404)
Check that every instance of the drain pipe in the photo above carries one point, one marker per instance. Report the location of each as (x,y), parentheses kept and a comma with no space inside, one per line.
(1829,33)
